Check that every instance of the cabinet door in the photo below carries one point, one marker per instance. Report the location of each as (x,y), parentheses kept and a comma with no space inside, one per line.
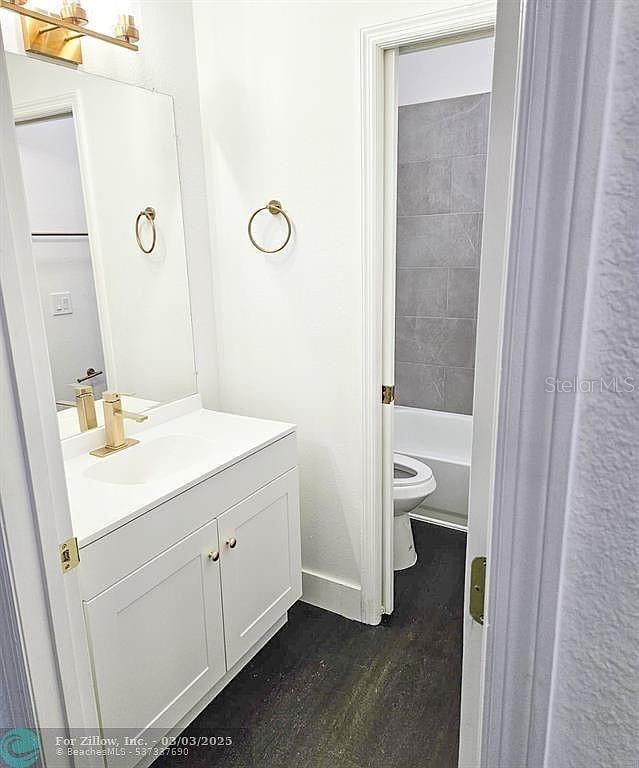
(157,636)
(261,563)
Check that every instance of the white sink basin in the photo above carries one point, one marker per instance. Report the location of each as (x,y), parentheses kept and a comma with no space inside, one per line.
(152,460)
(180,446)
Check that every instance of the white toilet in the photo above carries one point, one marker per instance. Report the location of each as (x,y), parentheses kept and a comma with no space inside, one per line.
(413,481)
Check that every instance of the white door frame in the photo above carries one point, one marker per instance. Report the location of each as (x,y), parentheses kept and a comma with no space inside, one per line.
(455,24)
(459,22)
(39,519)
(391,75)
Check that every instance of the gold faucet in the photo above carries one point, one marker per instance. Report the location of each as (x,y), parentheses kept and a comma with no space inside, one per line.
(85,406)
(114,425)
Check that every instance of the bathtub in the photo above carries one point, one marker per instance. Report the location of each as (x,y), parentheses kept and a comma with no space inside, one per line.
(443,441)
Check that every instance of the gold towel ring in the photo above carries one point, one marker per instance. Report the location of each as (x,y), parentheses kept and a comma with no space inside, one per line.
(274,207)
(149,214)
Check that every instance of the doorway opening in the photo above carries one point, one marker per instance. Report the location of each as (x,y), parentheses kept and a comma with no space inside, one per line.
(439,121)
(436,147)
(442,143)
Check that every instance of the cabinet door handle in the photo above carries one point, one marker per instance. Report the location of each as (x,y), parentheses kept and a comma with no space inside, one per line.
(214,556)
(231,542)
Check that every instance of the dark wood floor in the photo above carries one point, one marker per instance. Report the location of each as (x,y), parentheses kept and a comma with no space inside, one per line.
(327,692)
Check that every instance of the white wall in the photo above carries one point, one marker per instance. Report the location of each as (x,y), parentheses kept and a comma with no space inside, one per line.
(283,120)
(75,344)
(166,62)
(593,717)
(446,72)
(51,173)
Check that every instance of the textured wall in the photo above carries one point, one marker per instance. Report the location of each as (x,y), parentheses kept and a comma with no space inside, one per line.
(440,199)
(15,701)
(593,719)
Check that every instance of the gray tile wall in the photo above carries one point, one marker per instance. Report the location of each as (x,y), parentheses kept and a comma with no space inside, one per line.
(440,200)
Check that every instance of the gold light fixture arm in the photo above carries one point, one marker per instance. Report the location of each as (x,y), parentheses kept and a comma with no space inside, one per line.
(44,30)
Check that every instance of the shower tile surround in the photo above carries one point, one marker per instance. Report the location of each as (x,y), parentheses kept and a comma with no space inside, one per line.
(440,189)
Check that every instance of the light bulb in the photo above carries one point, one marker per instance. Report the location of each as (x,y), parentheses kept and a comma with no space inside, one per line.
(125,29)
(74,13)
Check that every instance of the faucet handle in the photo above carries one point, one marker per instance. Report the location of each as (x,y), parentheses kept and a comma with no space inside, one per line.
(114,399)
(139,417)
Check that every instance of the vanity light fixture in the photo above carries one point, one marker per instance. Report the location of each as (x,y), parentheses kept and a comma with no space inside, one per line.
(125,29)
(74,13)
(58,35)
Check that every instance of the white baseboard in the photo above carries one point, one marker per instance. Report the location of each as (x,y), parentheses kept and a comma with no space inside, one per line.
(332,595)
(441,518)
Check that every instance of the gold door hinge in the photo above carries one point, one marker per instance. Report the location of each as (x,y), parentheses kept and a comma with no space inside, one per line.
(69,554)
(388,394)
(477,588)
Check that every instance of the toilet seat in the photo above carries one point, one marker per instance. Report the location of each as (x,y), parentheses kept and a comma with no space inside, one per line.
(417,471)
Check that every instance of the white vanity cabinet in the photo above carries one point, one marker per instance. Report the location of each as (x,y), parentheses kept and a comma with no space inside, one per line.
(178,599)
(157,636)
(261,570)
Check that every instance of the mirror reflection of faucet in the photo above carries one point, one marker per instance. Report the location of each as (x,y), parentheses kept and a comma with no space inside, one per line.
(115,439)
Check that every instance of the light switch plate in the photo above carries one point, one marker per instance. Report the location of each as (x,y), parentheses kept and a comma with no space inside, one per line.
(61,303)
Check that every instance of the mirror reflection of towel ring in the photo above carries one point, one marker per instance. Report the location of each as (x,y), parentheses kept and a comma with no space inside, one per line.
(274,207)
(149,214)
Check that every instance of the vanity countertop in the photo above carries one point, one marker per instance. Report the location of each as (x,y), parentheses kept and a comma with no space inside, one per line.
(213,441)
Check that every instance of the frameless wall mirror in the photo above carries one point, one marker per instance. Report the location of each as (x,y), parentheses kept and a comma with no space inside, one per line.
(100,171)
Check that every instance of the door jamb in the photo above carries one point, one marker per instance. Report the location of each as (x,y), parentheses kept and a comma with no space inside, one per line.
(452,24)
(391,74)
